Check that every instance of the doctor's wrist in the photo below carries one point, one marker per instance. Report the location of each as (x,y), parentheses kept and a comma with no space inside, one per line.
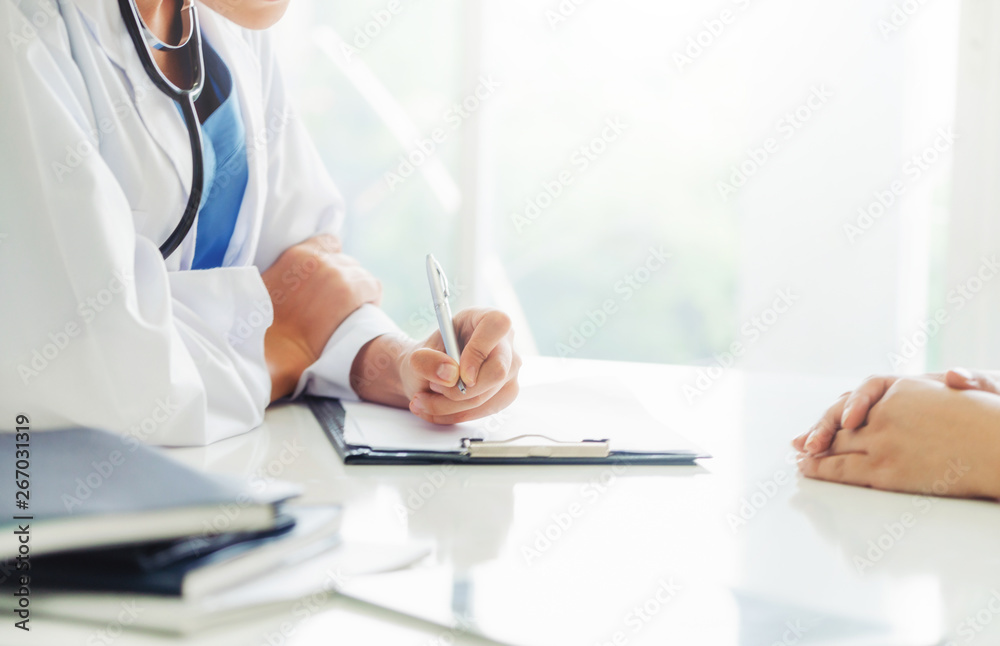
(376,374)
(286,361)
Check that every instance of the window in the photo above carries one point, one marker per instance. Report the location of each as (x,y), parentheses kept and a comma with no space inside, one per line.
(639,180)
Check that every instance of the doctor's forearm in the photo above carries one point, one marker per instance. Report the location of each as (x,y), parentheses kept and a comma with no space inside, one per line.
(313,289)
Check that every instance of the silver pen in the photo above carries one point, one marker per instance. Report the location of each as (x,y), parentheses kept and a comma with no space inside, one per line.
(439,294)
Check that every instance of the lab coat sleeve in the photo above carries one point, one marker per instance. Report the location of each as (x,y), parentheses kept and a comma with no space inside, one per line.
(95,331)
(303,202)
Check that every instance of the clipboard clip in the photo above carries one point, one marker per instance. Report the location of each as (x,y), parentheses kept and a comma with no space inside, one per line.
(515,447)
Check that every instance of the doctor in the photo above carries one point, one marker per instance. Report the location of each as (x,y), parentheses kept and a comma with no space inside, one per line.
(256,303)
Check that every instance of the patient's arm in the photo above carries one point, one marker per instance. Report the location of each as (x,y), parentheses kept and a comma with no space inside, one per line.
(923,437)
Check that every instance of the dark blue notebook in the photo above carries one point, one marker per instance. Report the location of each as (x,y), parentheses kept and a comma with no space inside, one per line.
(192,566)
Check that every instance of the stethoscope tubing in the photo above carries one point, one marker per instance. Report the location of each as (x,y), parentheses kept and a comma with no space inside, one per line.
(186,99)
(176,237)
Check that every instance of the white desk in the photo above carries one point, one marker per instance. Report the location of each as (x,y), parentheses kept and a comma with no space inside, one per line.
(791,564)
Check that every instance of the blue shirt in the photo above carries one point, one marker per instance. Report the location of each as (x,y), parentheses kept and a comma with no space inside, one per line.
(226,170)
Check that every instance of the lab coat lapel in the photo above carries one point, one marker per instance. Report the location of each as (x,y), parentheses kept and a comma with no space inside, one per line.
(158,112)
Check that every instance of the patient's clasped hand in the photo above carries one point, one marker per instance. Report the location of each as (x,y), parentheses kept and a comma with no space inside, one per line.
(936,434)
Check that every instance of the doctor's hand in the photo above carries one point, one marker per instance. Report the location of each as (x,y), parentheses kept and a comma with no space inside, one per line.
(921,437)
(313,288)
(421,377)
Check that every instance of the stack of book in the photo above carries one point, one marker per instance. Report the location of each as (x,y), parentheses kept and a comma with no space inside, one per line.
(99,522)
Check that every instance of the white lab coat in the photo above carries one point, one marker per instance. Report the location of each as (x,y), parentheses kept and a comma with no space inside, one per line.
(95,167)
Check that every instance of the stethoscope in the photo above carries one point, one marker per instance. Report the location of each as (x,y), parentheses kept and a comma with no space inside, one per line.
(143,39)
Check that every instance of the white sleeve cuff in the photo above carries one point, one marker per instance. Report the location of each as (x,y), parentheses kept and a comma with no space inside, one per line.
(330,376)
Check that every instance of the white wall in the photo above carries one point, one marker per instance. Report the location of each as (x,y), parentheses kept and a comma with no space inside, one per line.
(971,339)
(861,292)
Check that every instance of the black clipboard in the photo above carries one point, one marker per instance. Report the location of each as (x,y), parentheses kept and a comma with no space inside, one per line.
(332,418)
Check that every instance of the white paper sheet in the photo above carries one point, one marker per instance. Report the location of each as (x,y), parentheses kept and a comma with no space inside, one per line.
(571,410)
